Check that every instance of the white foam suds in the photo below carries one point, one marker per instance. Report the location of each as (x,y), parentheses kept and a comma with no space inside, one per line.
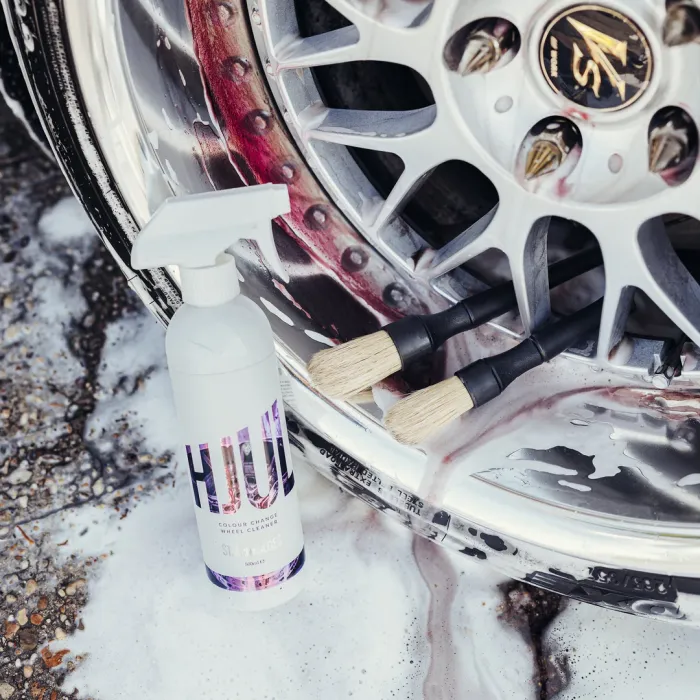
(66,222)
(626,657)
(153,609)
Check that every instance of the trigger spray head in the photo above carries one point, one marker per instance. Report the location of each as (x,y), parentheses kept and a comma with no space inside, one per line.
(196,231)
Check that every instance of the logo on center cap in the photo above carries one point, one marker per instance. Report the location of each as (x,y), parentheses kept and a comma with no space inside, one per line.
(596,57)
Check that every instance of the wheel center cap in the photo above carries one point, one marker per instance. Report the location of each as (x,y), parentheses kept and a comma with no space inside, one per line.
(596,57)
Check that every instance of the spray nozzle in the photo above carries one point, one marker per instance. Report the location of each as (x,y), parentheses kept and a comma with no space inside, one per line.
(193,232)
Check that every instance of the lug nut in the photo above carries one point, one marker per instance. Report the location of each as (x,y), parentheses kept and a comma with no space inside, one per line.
(673,139)
(669,364)
(480,47)
(554,141)
(682,23)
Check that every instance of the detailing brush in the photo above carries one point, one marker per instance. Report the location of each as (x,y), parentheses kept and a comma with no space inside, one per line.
(422,414)
(346,370)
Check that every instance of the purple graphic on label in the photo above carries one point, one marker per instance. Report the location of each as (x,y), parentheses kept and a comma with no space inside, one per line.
(251,484)
(287,476)
(234,490)
(206,476)
(257,583)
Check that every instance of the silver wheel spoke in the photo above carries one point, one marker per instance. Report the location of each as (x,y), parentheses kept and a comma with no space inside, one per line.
(667,282)
(531,277)
(394,132)
(386,33)
(519,12)
(616,310)
(470,243)
(409,181)
(339,46)
(390,14)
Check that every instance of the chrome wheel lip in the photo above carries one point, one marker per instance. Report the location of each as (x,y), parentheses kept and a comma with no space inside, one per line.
(548,537)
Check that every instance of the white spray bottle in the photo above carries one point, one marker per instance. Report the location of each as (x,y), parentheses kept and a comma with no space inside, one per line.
(223,369)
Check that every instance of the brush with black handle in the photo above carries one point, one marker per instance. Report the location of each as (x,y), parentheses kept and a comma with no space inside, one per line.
(344,371)
(413,420)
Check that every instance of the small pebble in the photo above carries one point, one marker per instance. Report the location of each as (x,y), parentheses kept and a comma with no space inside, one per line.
(61,593)
(20,476)
(43,603)
(11,598)
(11,629)
(28,639)
(22,617)
(60,634)
(31,587)
(27,670)
(36,619)
(6,691)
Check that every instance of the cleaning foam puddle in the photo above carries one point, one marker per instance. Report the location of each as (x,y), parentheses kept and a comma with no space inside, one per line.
(376,616)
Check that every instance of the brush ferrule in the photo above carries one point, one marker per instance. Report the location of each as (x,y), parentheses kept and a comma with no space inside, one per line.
(487,379)
(412,338)
(481,382)
(418,336)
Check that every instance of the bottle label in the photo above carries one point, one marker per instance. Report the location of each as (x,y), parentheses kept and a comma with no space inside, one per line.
(244,493)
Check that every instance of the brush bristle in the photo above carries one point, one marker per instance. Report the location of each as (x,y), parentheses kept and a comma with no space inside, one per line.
(413,420)
(366,396)
(352,367)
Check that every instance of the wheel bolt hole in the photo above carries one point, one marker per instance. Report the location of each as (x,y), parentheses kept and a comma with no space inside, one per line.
(354,259)
(236,68)
(504,104)
(616,163)
(552,146)
(482,46)
(397,296)
(224,11)
(258,121)
(317,218)
(673,145)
